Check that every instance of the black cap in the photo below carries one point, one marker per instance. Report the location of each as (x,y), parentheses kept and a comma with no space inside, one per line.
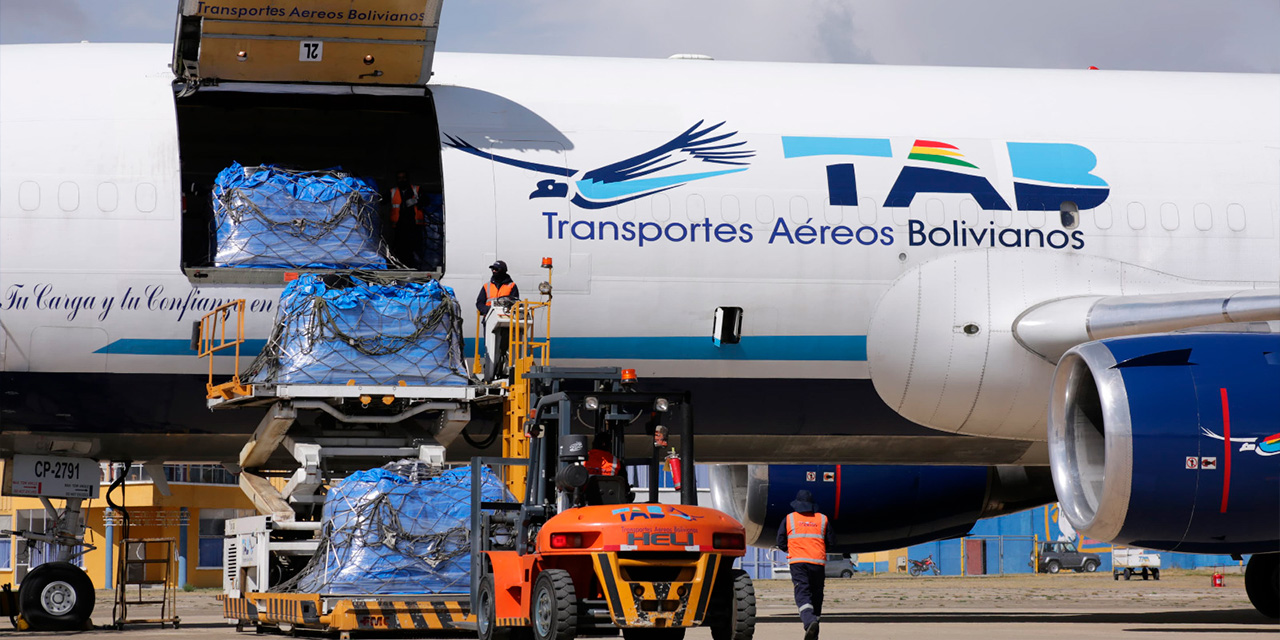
(499,265)
(804,501)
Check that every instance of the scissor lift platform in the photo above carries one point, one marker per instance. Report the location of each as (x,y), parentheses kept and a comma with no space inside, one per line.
(347,613)
(261,395)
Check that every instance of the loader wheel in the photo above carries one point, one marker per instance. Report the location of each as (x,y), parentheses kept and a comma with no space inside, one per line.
(555,606)
(733,608)
(487,615)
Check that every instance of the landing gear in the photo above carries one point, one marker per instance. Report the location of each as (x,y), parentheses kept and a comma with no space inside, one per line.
(56,596)
(1262,583)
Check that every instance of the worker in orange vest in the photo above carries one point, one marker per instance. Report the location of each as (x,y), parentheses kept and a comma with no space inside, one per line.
(805,535)
(601,461)
(408,220)
(500,285)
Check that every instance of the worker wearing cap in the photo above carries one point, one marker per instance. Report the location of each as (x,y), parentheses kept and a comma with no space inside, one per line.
(805,535)
(499,286)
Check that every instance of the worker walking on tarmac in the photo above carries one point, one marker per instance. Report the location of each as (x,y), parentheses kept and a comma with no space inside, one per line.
(805,535)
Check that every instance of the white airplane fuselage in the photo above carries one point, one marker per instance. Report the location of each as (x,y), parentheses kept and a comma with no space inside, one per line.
(822,193)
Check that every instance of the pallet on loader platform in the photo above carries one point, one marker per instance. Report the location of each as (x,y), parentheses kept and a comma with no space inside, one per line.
(346,613)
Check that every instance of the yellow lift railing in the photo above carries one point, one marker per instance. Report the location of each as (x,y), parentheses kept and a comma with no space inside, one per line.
(213,338)
(525,350)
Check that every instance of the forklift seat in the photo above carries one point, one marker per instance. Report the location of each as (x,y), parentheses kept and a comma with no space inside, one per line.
(608,490)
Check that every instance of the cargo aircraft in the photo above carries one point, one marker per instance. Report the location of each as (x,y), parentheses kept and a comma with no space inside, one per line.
(965,290)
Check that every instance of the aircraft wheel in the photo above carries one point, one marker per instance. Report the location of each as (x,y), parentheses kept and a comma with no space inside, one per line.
(1262,583)
(736,619)
(56,596)
(555,606)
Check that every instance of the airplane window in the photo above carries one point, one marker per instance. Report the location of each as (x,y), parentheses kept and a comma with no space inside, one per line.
(1103,217)
(1169,216)
(661,207)
(799,210)
(832,213)
(108,197)
(1203,216)
(68,196)
(1070,215)
(730,211)
(764,209)
(1003,218)
(695,207)
(1037,219)
(866,211)
(145,196)
(1235,217)
(934,212)
(29,196)
(969,212)
(1137,216)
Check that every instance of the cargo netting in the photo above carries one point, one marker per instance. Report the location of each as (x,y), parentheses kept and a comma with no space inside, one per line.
(271,217)
(396,530)
(365,328)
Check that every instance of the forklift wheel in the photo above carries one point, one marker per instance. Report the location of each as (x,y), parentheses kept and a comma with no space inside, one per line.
(733,607)
(554,608)
(487,616)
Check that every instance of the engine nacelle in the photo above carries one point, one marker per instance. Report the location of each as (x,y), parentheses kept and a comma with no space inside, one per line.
(1170,441)
(873,507)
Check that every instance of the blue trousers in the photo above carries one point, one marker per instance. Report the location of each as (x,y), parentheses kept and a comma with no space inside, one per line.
(808,580)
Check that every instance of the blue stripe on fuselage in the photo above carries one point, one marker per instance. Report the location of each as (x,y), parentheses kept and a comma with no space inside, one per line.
(804,348)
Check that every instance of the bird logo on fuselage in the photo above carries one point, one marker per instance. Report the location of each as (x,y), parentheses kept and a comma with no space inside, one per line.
(698,153)
(1269,446)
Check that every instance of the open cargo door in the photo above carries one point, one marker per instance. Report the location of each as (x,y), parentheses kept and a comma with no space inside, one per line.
(353,42)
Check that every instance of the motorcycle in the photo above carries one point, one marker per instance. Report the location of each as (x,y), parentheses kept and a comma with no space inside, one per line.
(920,566)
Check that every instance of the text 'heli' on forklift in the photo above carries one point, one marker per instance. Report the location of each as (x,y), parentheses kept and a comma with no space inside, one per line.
(579,555)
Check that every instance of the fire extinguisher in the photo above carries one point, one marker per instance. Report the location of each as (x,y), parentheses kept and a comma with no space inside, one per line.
(673,465)
(1217,580)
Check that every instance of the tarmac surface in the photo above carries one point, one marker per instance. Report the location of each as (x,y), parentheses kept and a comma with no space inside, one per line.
(1182,604)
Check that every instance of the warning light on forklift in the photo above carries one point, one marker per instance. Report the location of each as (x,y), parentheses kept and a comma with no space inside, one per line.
(728,541)
(628,376)
(566,540)
(662,405)
(546,263)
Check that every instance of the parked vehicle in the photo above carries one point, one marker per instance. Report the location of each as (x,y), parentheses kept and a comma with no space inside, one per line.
(1052,557)
(839,566)
(920,566)
(1127,561)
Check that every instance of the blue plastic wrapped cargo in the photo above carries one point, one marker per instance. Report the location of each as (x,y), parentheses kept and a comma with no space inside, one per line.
(269,217)
(384,533)
(336,329)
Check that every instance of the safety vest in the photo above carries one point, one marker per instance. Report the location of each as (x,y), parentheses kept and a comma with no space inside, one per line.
(806,538)
(396,199)
(601,463)
(493,291)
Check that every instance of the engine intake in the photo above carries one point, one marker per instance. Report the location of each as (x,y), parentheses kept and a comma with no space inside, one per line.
(1168,441)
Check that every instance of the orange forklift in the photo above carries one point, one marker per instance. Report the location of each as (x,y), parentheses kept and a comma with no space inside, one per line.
(579,555)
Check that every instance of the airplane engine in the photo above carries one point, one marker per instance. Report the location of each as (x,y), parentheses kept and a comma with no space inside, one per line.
(1170,441)
(877,507)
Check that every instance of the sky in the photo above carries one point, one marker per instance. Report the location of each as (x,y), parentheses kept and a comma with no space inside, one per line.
(1161,35)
